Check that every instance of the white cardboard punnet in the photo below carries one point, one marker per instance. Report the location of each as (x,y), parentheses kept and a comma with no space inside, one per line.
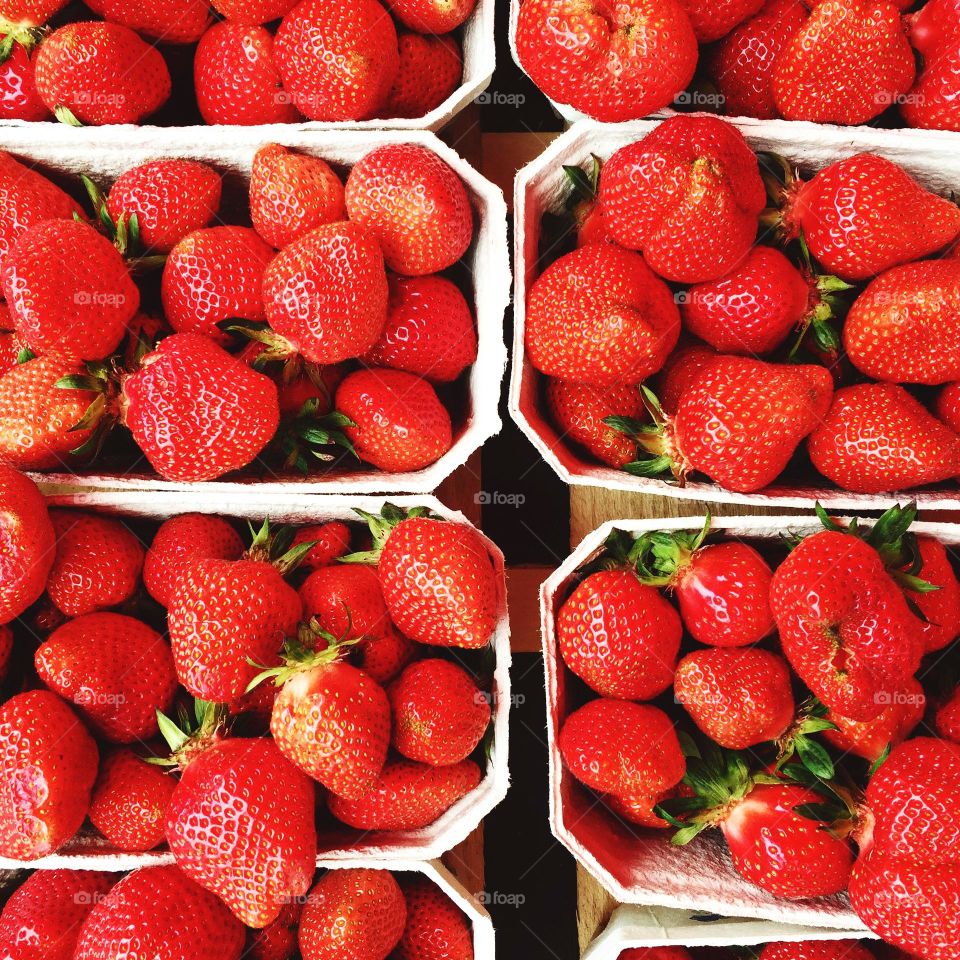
(105,153)
(90,851)
(540,187)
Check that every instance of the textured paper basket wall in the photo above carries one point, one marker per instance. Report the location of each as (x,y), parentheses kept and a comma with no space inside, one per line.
(640,866)
(107,152)
(90,851)
(540,188)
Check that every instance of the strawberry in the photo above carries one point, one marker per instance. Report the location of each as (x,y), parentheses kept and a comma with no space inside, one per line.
(876,437)
(439,713)
(19,99)
(330,540)
(98,73)
(42,918)
(408,796)
(6,650)
(598,315)
(583,203)
(436,928)
(337,63)
(815,950)
(947,406)
(130,800)
(656,953)
(430,70)
(10,345)
(178,543)
(941,606)
(620,637)
(278,940)
(312,384)
(622,63)
(169,198)
(236,79)
(326,293)
(30,13)
(172,917)
(865,214)
(356,914)
(711,21)
(253,11)
(932,103)
(97,565)
(291,193)
(429,330)
(432,16)
(640,809)
(397,422)
(44,744)
(688,196)
(28,540)
(846,64)
(76,305)
(683,367)
(169,21)
(415,204)
(947,719)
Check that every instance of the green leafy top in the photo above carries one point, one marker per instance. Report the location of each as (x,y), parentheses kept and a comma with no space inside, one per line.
(381,526)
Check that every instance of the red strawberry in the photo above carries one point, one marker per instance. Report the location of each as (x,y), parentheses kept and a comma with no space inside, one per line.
(439,713)
(935,25)
(619,636)
(172,917)
(656,953)
(326,293)
(436,928)
(30,13)
(432,16)
(948,406)
(613,64)
(29,545)
(77,304)
(278,940)
(100,73)
(236,79)
(42,918)
(179,542)
(688,196)
(354,914)
(639,809)
(408,796)
(415,204)
(711,21)
(429,72)
(291,193)
(45,745)
(877,438)
(253,11)
(19,99)
(683,367)
(170,198)
(317,385)
(169,21)
(933,101)
(429,330)
(337,63)
(331,540)
(6,650)
(598,315)
(98,562)
(10,345)
(865,214)
(941,607)
(815,950)
(947,720)
(130,800)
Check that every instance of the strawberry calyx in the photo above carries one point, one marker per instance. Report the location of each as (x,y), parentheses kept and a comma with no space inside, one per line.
(381,526)
(312,436)
(312,647)
(583,184)
(826,303)
(102,378)
(660,557)
(657,452)
(274,348)
(189,736)
(14,34)
(123,233)
(784,187)
(276,547)
(798,741)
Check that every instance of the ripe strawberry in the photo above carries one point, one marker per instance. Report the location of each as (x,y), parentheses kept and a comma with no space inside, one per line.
(865,214)
(291,193)
(77,304)
(432,16)
(172,917)
(98,562)
(430,70)
(622,748)
(656,953)
(30,13)
(436,928)
(19,99)
(100,73)
(29,545)
(397,421)
(598,315)
(933,103)
(10,344)
(6,650)
(196,411)
(847,64)
(179,542)
(711,21)
(815,950)
(316,385)
(169,21)
(331,540)
(236,79)
(130,800)
(240,823)
(326,293)
(624,63)
(415,204)
(947,406)
(877,438)
(170,198)
(42,918)
(941,607)
(429,330)
(253,11)
(44,744)
(356,914)
(278,940)
(947,720)
(683,367)
(408,796)
(640,809)
(688,196)
(337,63)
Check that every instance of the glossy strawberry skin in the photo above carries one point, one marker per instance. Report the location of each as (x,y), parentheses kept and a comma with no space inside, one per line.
(711,21)
(429,71)
(254,11)
(278,940)
(432,16)
(31,13)
(436,928)
(815,950)
(948,718)
(598,315)
(240,824)
(941,607)
(932,104)
(331,540)
(19,99)
(43,743)
(170,21)
(683,368)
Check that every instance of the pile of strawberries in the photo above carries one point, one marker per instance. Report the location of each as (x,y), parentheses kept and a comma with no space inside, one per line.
(254,61)
(781,950)
(723,316)
(327,331)
(351,914)
(827,61)
(801,697)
